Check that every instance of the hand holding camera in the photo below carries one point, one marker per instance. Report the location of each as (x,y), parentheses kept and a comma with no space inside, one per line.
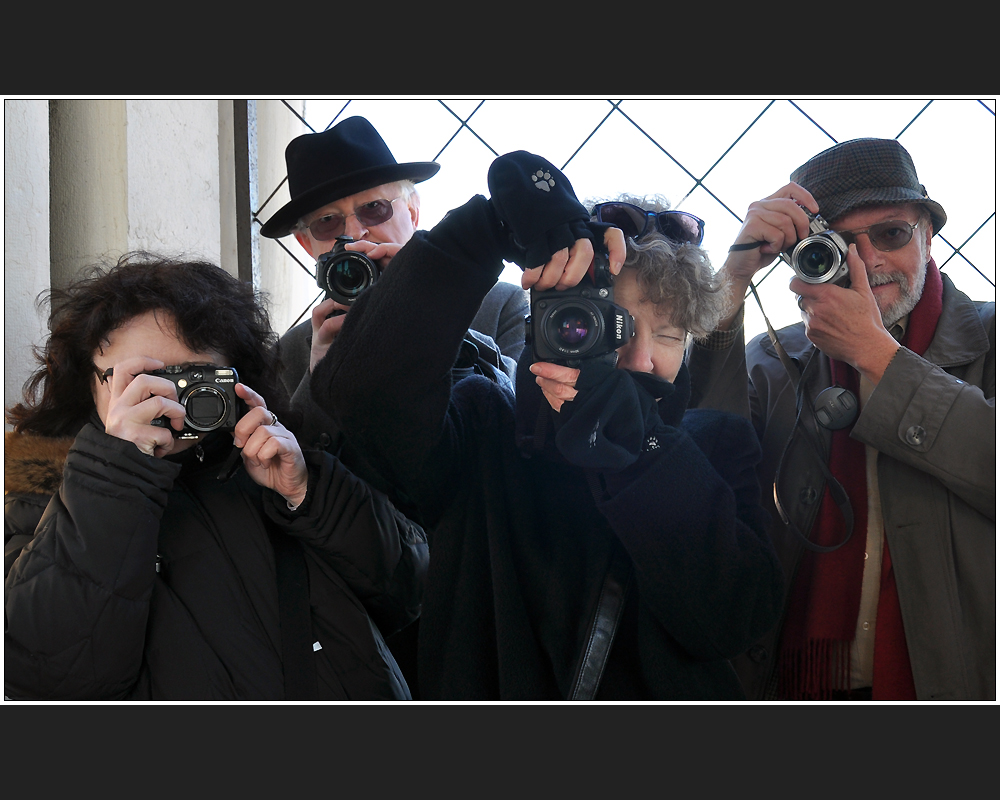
(270,453)
(154,405)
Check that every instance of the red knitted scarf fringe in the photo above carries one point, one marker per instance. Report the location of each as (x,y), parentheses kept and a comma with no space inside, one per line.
(825,598)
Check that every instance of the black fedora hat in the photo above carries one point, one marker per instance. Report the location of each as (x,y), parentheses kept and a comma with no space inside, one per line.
(345,160)
(865,172)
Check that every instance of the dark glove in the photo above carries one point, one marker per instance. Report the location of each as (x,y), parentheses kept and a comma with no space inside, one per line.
(614,417)
(537,206)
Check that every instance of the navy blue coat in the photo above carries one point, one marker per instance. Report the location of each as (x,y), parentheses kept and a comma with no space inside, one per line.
(520,546)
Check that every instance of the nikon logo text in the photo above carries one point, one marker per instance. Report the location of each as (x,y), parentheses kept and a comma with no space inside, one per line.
(619,324)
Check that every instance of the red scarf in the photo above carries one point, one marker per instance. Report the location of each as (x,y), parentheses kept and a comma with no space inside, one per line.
(825,598)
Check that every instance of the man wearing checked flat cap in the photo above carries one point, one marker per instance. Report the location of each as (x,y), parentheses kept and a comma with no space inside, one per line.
(877,418)
(346,182)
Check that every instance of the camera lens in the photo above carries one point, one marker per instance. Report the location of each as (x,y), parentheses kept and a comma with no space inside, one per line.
(815,259)
(572,327)
(349,278)
(206,408)
(348,275)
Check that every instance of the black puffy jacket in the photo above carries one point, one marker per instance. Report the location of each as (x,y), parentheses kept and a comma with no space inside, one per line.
(143,578)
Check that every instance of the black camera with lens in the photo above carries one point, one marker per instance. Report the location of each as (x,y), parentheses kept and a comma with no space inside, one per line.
(208,394)
(344,274)
(821,257)
(581,322)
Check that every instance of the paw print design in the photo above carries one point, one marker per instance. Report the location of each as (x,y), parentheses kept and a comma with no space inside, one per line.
(543,180)
(592,439)
(652,443)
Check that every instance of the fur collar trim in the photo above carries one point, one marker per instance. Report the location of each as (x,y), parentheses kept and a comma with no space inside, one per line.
(33,464)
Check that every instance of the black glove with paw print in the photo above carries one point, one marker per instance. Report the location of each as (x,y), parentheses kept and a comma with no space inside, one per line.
(538,208)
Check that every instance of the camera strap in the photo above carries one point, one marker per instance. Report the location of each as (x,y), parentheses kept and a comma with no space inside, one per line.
(610,603)
(837,491)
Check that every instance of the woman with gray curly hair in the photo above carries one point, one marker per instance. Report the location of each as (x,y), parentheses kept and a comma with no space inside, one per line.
(667,282)
(671,268)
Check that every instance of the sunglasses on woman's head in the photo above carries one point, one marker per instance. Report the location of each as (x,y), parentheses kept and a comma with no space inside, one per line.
(330,226)
(634,222)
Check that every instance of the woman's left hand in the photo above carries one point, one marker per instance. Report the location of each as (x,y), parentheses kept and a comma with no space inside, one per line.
(271,454)
(558,382)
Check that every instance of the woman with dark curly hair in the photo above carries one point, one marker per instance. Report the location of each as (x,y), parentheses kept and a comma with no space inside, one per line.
(212,309)
(166,537)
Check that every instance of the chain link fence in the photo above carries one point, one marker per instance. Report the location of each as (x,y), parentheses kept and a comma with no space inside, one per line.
(712,157)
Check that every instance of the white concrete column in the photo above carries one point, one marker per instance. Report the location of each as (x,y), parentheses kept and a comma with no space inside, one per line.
(89,184)
(26,237)
(288,286)
(173,177)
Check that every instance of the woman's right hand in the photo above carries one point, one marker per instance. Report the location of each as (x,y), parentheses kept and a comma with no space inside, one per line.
(567,267)
(136,399)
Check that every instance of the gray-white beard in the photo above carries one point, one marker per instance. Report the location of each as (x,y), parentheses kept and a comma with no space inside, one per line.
(908,296)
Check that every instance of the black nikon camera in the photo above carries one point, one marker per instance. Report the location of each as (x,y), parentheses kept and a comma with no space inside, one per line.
(344,274)
(821,257)
(208,394)
(581,322)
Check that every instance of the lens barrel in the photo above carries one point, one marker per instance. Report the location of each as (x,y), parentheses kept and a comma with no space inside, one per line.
(814,258)
(820,257)
(206,408)
(344,274)
(572,327)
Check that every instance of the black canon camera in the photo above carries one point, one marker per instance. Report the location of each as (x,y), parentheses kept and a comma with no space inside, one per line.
(581,322)
(208,394)
(344,274)
(821,257)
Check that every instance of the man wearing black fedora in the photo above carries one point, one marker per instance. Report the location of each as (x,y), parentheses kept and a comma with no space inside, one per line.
(346,182)
(877,419)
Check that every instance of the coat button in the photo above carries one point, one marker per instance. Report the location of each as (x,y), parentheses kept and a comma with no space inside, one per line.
(915,435)
(808,495)
(324,439)
(757,653)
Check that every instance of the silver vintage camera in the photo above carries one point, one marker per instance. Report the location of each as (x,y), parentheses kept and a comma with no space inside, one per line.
(821,257)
